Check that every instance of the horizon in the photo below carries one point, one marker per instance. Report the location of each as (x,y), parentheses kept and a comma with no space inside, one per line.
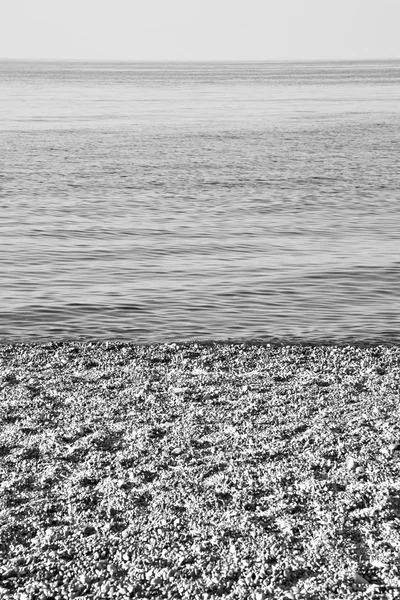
(202,61)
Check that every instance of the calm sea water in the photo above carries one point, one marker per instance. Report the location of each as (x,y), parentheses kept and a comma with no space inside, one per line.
(166,202)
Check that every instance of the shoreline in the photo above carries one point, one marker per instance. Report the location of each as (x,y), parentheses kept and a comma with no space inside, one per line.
(248,342)
(242,470)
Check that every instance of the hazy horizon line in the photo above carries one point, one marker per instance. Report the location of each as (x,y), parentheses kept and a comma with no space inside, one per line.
(230,60)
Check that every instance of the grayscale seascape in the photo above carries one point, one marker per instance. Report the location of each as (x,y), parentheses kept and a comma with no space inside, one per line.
(194,259)
(158,202)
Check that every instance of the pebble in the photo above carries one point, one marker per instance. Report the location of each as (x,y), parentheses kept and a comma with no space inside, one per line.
(85,579)
(171,573)
(123,591)
(112,569)
(13,572)
(378,564)
(371,589)
(105,587)
(351,464)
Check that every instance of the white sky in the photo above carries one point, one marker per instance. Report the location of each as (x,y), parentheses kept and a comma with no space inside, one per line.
(200,29)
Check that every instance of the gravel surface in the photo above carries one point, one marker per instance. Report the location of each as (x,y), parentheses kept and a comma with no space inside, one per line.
(199,471)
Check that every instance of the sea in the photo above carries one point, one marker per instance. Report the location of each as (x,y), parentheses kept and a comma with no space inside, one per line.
(174,202)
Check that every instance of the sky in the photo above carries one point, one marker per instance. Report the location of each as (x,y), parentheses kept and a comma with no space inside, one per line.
(199,29)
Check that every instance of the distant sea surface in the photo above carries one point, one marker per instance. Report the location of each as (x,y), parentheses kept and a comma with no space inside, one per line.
(201,201)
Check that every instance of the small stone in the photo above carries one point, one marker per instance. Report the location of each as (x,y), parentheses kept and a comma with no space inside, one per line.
(112,569)
(259,595)
(378,564)
(171,573)
(359,579)
(105,587)
(149,575)
(13,572)
(77,590)
(84,579)
(88,530)
(287,573)
(101,565)
(360,470)
(351,464)
(123,591)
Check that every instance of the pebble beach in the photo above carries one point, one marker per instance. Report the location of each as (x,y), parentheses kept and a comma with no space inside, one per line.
(199,470)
